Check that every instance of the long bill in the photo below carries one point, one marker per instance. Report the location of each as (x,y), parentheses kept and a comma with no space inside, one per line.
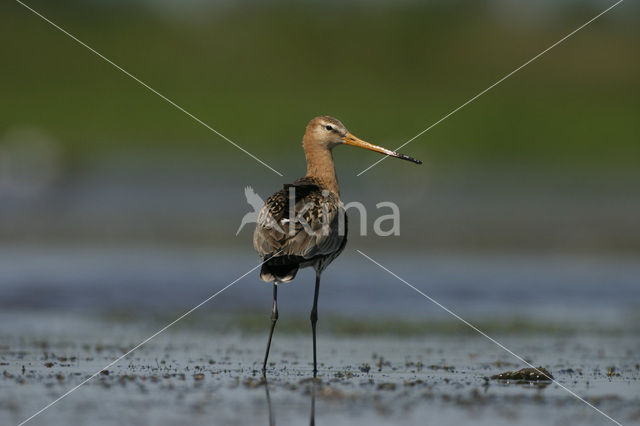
(352,140)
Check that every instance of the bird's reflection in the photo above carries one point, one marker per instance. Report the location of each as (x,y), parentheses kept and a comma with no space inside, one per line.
(272,420)
(312,416)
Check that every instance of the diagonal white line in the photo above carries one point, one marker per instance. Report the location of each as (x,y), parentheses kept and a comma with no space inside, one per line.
(489,337)
(67,393)
(150,88)
(495,84)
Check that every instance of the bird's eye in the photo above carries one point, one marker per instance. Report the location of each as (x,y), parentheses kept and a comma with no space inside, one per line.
(329,128)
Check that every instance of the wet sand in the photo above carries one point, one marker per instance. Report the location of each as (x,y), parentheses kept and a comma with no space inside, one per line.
(195,376)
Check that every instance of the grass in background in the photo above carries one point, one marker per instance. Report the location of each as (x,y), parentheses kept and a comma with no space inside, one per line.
(258,72)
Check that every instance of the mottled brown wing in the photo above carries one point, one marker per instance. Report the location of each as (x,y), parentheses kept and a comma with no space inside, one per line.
(320,209)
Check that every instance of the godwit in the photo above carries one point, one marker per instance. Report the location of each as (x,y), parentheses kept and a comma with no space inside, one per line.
(312,231)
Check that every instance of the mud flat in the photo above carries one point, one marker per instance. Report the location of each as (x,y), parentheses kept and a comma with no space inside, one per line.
(195,376)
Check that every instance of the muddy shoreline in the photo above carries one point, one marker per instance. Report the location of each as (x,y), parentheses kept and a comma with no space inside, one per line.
(189,374)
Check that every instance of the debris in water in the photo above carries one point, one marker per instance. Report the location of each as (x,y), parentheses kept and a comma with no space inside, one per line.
(527,374)
(445,367)
(387,386)
(251,383)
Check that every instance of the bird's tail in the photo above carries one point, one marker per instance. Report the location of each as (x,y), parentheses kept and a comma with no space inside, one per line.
(280,268)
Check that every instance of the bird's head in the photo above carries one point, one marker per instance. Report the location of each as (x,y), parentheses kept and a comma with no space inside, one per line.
(326,132)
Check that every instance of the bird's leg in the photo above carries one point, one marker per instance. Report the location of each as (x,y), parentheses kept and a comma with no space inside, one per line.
(314,320)
(274,318)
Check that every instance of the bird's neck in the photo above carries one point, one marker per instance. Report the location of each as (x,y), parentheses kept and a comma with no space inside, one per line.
(320,165)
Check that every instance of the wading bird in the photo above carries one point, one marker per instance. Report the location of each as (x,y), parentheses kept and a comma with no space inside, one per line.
(304,224)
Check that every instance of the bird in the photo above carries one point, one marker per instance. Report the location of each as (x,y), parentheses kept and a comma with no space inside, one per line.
(305,223)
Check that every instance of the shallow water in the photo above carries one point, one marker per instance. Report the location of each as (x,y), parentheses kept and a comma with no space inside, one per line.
(68,311)
(558,286)
(211,377)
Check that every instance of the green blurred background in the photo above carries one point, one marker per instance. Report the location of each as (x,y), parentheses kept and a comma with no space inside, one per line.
(258,71)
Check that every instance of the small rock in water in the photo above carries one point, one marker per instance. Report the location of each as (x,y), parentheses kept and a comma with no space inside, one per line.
(528,374)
